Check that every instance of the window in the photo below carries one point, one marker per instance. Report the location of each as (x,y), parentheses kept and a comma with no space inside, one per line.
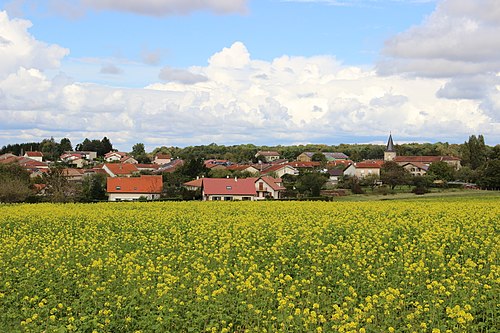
(229,188)
(228,198)
(118,188)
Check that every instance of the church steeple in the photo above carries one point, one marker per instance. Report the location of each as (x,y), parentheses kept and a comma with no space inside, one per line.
(390,151)
(390,144)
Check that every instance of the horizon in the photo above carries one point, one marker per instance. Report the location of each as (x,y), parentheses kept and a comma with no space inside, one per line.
(271,72)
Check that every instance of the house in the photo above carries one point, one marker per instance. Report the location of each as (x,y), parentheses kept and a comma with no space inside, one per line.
(363,169)
(269,187)
(86,155)
(171,166)
(416,168)
(151,167)
(162,159)
(251,189)
(34,155)
(391,155)
(194,185)
(134,188)
(305,165)
(73,174)
(129,160)
(114,156)
(268,156)
(279,170)
(243,168)
(217,164)
(334,175)
(226,189)
(307,156)
(75,159)
(120,169)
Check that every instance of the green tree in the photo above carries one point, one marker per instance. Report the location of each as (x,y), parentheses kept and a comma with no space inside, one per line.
(50,149)
(319,157)
(442,171)
(310,184)
(490,175)
(14,183)
(65,145)
(93,188)
(106,146)
(58,187)
(193,168)
(393,174)
(474,152)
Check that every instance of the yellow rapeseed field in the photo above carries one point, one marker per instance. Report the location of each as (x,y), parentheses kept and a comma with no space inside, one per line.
(414,266)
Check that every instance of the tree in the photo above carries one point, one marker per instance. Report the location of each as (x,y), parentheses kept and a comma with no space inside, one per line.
(490,175)
(50,149)
(93,188)
(310,184)
(193,168)
(65,145)
(393,174)
(474,152)
(106,146)
(58,187)
(14,183)
(138,149)
(318,157)
(442,171)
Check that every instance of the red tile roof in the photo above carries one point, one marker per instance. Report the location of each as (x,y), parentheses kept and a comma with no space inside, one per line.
(122,168)
(147,166)
(273,182)
(34,154)
(425,159)
(268,153)
(299,164)
(236,167)
(143,184)
(229,186)
(194,183)
(163,156)
(369,164)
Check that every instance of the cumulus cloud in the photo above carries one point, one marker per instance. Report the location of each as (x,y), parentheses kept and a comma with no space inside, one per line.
(19,49)
(459,38)
(234,99)
(180,76)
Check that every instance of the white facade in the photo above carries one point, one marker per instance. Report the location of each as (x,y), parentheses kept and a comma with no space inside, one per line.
(132,196)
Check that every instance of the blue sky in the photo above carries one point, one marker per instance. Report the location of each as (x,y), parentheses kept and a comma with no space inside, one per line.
(263,72)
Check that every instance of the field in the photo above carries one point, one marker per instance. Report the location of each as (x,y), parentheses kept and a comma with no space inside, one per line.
(388,266)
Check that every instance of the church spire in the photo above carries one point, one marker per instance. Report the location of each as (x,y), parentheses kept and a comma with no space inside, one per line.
(390,144)
(390,151)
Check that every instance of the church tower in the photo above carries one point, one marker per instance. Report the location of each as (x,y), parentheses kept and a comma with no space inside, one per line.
(390,151)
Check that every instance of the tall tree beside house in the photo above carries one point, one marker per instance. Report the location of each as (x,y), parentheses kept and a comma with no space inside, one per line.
(310,183)
(442,171)
(58,188)
(93,188)
(474,152)
(393,174)
(65,145)
(490,175)
(106,146)
(139,153)
(14,183)
(50,149)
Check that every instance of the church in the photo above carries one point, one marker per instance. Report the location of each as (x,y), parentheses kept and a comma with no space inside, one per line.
(417,165)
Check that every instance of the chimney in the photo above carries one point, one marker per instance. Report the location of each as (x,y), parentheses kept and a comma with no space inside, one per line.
(235,179)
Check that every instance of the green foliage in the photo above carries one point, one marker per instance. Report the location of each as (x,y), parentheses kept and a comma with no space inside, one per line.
(393,174)
(93,188)
(14,183)
(310,184)
(442,171)
(490,175)
(102,147)
(474,152)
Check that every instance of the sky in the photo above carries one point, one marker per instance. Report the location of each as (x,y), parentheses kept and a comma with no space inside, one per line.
(266,72)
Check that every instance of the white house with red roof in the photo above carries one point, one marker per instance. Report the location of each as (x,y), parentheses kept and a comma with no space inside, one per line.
(130,189)
(363,169)
(279,170)
(268,156)
(34,155)
(249,189)
(115,156)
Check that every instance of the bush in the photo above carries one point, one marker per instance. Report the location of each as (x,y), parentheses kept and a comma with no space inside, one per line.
(420,190)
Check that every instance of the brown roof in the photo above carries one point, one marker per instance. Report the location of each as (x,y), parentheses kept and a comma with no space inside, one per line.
(147,166)
(425,159)
(273,182)
(143,184)
(268,153)
(163,156)
(122,168)
(236,167)
(369,164)
(298,164)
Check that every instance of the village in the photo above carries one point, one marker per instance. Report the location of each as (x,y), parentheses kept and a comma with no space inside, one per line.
(268,176)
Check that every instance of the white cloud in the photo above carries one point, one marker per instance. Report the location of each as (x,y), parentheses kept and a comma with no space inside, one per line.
(19,49)
(459,38)
(235,99)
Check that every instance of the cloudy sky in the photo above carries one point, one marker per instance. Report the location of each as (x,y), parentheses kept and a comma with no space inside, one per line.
(186,72)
